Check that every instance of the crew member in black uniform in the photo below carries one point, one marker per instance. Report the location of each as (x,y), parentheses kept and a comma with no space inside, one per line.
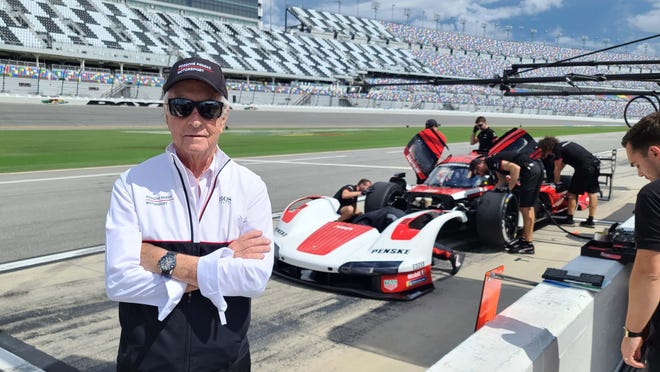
(518,166)
(585,177)
(348,197)
(486,136)
(640,346)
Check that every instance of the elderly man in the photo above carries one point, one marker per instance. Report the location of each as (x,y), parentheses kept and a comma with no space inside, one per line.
(188,239)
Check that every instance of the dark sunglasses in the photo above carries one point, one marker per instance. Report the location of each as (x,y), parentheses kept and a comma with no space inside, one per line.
(182,107)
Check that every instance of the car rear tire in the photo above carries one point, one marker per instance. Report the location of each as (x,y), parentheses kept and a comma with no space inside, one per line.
(384,194)
(497,218)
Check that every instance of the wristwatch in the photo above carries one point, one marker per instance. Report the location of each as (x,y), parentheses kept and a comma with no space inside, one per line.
(167,263)
(627,333)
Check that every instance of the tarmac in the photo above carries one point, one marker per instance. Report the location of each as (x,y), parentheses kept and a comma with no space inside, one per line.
(56,316)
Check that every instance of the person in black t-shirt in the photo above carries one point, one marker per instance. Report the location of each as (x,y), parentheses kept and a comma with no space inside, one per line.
(486,137)
(585,177)
(519,167)
(347,196)
(640,346)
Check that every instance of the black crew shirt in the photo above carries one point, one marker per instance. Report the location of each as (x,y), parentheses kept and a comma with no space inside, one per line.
(344,202)
(486,138)
(572,154)
(494,162)
(647,217)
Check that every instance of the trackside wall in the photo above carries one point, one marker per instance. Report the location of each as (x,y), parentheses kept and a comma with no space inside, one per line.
(552,328)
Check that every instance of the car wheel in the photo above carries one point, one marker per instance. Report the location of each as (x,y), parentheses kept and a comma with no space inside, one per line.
(497,218)
(383,194)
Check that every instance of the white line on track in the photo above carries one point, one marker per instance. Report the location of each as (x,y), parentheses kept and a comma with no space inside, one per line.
(304,159)
(325,164)
(59,178)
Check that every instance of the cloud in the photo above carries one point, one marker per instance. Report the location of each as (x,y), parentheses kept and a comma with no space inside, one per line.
(647,22)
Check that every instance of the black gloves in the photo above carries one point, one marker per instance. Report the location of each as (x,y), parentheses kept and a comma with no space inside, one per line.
(368,190)
(475,129)
(560,187)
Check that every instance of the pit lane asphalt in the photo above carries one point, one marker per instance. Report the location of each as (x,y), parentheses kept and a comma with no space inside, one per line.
(57,317)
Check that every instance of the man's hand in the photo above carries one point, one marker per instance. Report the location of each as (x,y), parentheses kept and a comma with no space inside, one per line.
(475,129)
(368,190)
(252,245)
(631,351)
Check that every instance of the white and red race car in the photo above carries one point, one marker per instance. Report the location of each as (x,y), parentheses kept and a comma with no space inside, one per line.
(388,252)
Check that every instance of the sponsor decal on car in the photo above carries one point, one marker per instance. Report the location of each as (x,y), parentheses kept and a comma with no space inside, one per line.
(415,274)
(280,231)
(390,251)
(415,282)
(390,284)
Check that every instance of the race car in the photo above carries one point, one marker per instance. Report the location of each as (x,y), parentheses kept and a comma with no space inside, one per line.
(388,253)
(447,186)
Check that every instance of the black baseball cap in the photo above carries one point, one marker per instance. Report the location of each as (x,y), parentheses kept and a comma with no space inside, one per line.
(431,123)
(196,68)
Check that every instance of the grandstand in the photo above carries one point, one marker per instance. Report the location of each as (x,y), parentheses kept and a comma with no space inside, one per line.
(121,48)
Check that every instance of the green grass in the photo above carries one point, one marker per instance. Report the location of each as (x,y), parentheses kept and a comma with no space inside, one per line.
(57,149)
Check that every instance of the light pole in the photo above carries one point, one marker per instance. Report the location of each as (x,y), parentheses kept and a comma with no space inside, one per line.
(557,36)
(584,41)
(483,25)
(462,22)
(533,32)
(406,12)
(423,18)
(338,6)
(436,18)
(375,5)
(508,32)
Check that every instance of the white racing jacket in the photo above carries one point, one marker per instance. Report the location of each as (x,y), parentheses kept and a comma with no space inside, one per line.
(151,203)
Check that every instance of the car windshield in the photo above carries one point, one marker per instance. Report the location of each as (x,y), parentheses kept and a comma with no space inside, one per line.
(452,175)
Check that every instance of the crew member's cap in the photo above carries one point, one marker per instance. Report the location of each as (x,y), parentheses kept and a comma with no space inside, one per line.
(473,166)
(431,123)
(197,69)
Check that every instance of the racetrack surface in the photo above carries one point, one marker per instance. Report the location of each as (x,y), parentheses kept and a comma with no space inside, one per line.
(57,315)
(42,116)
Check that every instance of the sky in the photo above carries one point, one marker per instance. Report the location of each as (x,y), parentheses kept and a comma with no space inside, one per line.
(592,24)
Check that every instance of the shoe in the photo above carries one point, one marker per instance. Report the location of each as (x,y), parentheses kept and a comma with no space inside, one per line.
(588,223)
(456,260)
(522,246)
(512,243)
(566,221)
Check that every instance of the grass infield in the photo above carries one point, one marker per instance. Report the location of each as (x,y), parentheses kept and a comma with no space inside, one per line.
(31,150)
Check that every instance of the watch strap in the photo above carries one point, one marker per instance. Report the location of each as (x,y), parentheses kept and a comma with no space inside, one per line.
(167,263)
(628,333)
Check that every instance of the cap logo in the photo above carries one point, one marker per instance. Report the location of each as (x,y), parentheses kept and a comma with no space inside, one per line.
(193,67)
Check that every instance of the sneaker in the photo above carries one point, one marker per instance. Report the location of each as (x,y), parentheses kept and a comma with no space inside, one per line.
(456,260)
(588,223)
(512,244)
(566,221)
(522,246)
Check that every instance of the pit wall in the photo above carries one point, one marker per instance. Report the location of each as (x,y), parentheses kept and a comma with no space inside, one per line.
(552,328)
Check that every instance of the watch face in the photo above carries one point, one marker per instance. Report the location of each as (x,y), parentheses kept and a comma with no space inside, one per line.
(167,263)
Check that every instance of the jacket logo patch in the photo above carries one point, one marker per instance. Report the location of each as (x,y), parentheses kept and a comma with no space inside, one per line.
(159,200)
(225,199)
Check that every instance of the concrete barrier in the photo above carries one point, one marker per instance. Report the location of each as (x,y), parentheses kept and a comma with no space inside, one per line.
(552,328)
